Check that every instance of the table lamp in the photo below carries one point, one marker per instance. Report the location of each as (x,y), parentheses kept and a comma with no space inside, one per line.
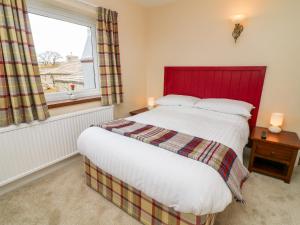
(151,103)
(276,122)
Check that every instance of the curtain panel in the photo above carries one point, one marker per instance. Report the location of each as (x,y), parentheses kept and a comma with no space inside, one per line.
(21,94)
(109,57)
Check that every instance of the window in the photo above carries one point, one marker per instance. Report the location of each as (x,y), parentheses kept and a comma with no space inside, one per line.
(65,48)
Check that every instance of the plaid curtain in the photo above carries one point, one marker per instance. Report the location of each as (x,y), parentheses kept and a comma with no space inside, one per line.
(21,93)
(109,57)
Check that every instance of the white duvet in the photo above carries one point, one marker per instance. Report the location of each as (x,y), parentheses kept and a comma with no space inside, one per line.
(187,185)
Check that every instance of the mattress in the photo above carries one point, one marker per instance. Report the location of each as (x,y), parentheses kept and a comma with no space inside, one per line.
(186,185)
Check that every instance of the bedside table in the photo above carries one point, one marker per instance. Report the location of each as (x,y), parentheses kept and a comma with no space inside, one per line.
(274,156)
(135,112)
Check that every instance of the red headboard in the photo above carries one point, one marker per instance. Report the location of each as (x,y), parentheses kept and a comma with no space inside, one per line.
(240,83)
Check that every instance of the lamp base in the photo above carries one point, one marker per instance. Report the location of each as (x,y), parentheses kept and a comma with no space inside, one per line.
(274,129)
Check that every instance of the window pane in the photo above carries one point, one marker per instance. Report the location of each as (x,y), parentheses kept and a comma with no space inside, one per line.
(64,52)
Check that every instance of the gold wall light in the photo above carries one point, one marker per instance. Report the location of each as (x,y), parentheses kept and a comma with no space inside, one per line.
(238,27)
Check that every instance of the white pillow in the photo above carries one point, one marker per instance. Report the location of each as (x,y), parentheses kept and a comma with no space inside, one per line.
(177,100)
(224,105)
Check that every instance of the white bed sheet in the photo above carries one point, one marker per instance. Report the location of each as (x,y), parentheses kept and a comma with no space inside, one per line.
(186,185)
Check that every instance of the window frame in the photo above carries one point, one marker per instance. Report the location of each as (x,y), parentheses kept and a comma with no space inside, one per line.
(47,10)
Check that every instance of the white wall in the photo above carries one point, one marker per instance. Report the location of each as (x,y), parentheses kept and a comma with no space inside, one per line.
(198,33)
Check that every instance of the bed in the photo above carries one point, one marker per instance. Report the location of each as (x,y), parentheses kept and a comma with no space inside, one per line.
(157,186)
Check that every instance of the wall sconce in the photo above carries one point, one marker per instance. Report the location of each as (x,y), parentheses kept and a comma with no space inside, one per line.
(238,27)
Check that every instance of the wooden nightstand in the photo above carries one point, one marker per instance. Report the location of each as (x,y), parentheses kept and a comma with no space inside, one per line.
(135,112)
(274,156)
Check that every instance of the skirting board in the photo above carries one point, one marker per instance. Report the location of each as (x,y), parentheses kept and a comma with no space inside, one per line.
(41,172)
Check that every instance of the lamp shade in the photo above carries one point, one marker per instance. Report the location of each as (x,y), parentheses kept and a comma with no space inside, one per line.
(276,119)
(238,18)
(151,102)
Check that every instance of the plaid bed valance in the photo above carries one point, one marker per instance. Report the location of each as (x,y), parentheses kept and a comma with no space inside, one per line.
(21,93)
(109,57)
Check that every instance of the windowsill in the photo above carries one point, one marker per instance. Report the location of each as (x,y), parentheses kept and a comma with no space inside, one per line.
(69,102)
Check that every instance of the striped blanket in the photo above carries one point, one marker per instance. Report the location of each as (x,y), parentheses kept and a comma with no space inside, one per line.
(221,158)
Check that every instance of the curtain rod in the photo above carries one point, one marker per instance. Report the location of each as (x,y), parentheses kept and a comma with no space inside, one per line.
(91,4)
(88,3)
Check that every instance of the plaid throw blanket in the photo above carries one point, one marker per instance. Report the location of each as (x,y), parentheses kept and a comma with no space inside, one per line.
(221,158)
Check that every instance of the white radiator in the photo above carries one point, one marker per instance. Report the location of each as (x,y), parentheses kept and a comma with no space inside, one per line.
(27,148)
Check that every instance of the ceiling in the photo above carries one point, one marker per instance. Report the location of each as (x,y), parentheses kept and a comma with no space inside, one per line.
(150,3)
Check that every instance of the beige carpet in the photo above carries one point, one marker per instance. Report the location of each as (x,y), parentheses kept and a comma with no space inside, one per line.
(63,198)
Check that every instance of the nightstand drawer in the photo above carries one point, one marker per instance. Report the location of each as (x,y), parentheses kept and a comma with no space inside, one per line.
(273,151)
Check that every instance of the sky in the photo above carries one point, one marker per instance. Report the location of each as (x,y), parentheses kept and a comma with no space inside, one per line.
(57,35)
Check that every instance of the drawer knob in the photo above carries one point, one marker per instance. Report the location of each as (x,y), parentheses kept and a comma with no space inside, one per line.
(272,153)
